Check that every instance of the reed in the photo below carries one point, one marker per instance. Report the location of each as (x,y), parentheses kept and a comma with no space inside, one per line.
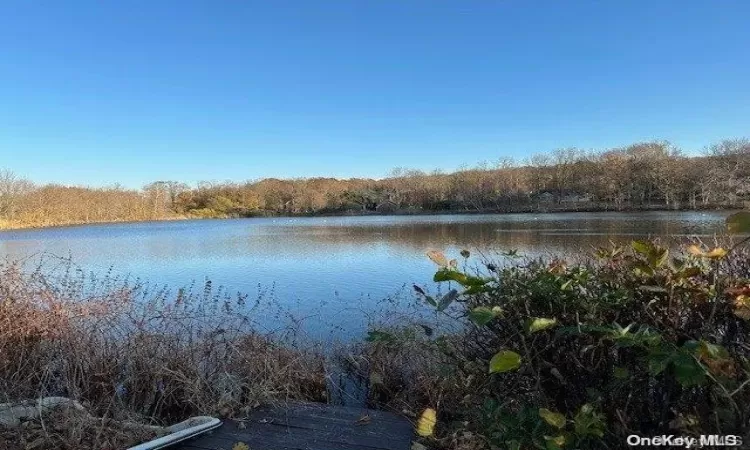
(129,351)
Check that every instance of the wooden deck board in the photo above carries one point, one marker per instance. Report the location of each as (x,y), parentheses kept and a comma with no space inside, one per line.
(306,426)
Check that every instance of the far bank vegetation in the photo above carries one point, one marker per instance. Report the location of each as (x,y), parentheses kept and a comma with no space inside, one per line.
(649,175)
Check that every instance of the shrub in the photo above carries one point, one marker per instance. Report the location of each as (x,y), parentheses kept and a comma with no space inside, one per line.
(632,340)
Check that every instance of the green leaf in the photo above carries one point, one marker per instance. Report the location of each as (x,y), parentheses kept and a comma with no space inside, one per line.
(688,372)
(483,315)
(474,281)
(641,268)
(554,442)
(513,445)
(540,323)
(707,350)
(566,286)
(449,275)
(588,423)
(739,222)
(688,272)
(460,278)
(447,299)
(644,248)
(658,257)
(555,419)
(505,361)
(658,360)
(476,290)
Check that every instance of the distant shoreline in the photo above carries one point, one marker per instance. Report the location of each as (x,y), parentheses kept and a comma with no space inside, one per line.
(520,210)
(644,176)
(354,213)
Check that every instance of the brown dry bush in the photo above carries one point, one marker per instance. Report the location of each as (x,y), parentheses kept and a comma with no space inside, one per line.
(62,430)
(131,352)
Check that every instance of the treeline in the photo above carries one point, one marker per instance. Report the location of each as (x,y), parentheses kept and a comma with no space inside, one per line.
(640,176)
(23,204)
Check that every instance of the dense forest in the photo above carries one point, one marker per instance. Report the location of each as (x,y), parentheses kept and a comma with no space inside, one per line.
(648,175)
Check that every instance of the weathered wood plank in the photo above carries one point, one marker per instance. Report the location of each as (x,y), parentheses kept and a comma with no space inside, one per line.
(304,426)
(332,411)
(279,441)
(291,435)
(321,427)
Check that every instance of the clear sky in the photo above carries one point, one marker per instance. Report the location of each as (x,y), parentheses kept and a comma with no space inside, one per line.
(99,92)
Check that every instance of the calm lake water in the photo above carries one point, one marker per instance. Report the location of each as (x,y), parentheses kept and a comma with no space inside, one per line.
(336,273)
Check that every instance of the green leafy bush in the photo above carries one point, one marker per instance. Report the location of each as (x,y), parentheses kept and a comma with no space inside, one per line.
(639,339)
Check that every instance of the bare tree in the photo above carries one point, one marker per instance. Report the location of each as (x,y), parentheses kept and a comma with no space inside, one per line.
(12,189)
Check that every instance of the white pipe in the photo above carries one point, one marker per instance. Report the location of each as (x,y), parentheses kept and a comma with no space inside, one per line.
(180,434)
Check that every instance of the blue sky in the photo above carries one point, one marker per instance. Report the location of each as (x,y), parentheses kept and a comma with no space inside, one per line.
(134,91)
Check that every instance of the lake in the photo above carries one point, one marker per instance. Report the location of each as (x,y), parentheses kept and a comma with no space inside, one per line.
(335,273)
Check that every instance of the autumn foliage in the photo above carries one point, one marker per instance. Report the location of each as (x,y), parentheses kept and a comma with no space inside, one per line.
(640,176)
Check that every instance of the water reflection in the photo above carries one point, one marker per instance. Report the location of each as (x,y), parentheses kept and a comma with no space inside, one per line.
(552,232)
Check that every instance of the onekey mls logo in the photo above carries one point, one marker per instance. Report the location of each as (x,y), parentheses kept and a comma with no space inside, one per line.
(670,440)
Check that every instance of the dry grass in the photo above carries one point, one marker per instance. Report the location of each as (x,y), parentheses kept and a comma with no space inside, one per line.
(131,352)
(72,431)
(412,373)
(403,376)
